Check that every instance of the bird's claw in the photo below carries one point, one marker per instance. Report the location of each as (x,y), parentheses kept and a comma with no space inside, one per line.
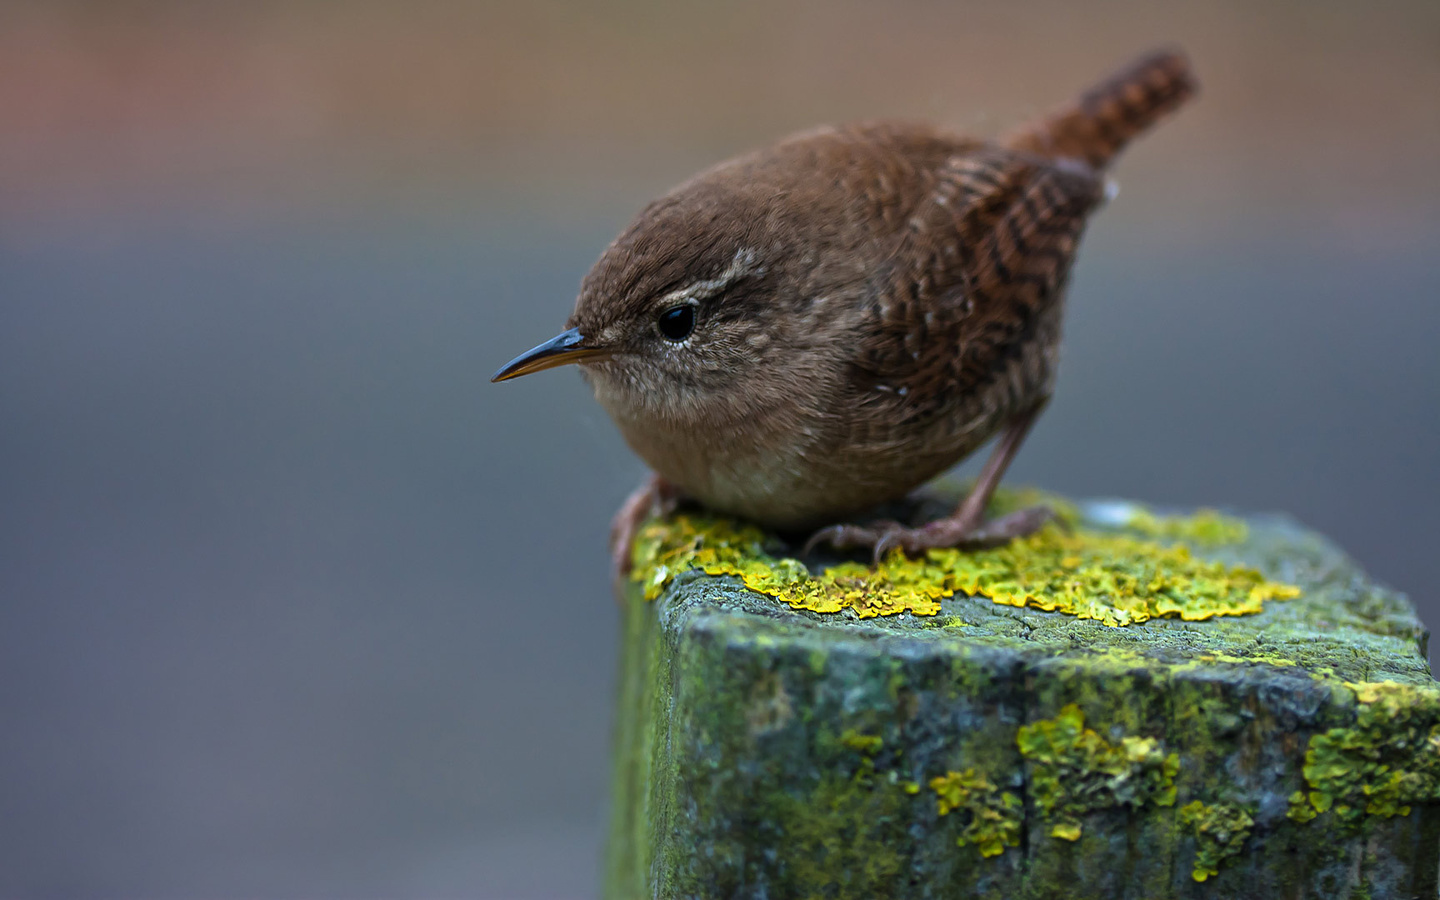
(883,537)
(850,537)
(1018,524)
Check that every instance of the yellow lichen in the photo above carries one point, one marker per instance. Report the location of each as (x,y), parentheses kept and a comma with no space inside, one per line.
(994,817)
(1220,832)
(868,744)
(1386,761)
(1112,578)
(1206,526)
(1075,771)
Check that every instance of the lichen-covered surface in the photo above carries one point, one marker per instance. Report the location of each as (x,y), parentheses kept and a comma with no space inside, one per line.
(1220,832)
(991,750)
(1071,566)
(1075,771)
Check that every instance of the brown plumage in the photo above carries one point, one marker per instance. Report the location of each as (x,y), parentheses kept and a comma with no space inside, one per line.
(798,334)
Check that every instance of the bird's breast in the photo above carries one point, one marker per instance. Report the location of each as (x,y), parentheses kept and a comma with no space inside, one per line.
(760,469)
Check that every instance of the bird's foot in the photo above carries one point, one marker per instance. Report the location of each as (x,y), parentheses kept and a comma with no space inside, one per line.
(654,497)
(882,537)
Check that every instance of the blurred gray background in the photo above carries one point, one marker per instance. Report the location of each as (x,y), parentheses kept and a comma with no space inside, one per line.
(294,603)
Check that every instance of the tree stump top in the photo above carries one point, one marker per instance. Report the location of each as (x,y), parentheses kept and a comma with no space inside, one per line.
(1267,590)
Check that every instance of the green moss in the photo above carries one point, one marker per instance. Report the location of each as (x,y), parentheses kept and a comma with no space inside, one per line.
(843,836)
(1116,579)
(868,744)
(1386,761)
(1220,831)
(843,829)
(994,818)
(1076,771)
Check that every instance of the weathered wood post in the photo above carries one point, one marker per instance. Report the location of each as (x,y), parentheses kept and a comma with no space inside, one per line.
(1138,707)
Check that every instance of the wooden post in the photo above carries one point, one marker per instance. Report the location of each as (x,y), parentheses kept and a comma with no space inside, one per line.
(999,751)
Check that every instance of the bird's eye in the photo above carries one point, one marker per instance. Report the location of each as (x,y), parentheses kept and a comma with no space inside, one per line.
(677,322)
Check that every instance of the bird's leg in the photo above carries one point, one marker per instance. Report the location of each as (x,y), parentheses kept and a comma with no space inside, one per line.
(967,526)
(654,497)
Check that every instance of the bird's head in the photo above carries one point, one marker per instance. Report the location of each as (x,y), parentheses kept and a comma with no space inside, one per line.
(683,317)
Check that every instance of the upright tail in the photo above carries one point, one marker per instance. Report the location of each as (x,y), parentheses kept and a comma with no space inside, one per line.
(1105,118)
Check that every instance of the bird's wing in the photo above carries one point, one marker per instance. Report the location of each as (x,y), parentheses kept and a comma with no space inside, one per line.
(980,259)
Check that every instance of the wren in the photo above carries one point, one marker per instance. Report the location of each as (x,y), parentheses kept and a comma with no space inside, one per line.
(801,333)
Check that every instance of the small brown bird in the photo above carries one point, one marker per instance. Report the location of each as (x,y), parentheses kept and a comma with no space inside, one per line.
(804,332)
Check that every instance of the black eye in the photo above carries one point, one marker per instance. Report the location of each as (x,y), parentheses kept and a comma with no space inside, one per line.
(677,322)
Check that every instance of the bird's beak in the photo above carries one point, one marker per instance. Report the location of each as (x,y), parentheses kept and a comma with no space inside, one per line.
(564,348)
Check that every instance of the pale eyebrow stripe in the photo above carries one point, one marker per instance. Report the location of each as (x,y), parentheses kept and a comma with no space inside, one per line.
(742,265)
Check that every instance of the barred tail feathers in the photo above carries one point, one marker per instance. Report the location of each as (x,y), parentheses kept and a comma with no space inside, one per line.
(1097,127)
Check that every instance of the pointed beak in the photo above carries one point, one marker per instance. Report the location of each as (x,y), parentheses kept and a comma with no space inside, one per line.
(566,347)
